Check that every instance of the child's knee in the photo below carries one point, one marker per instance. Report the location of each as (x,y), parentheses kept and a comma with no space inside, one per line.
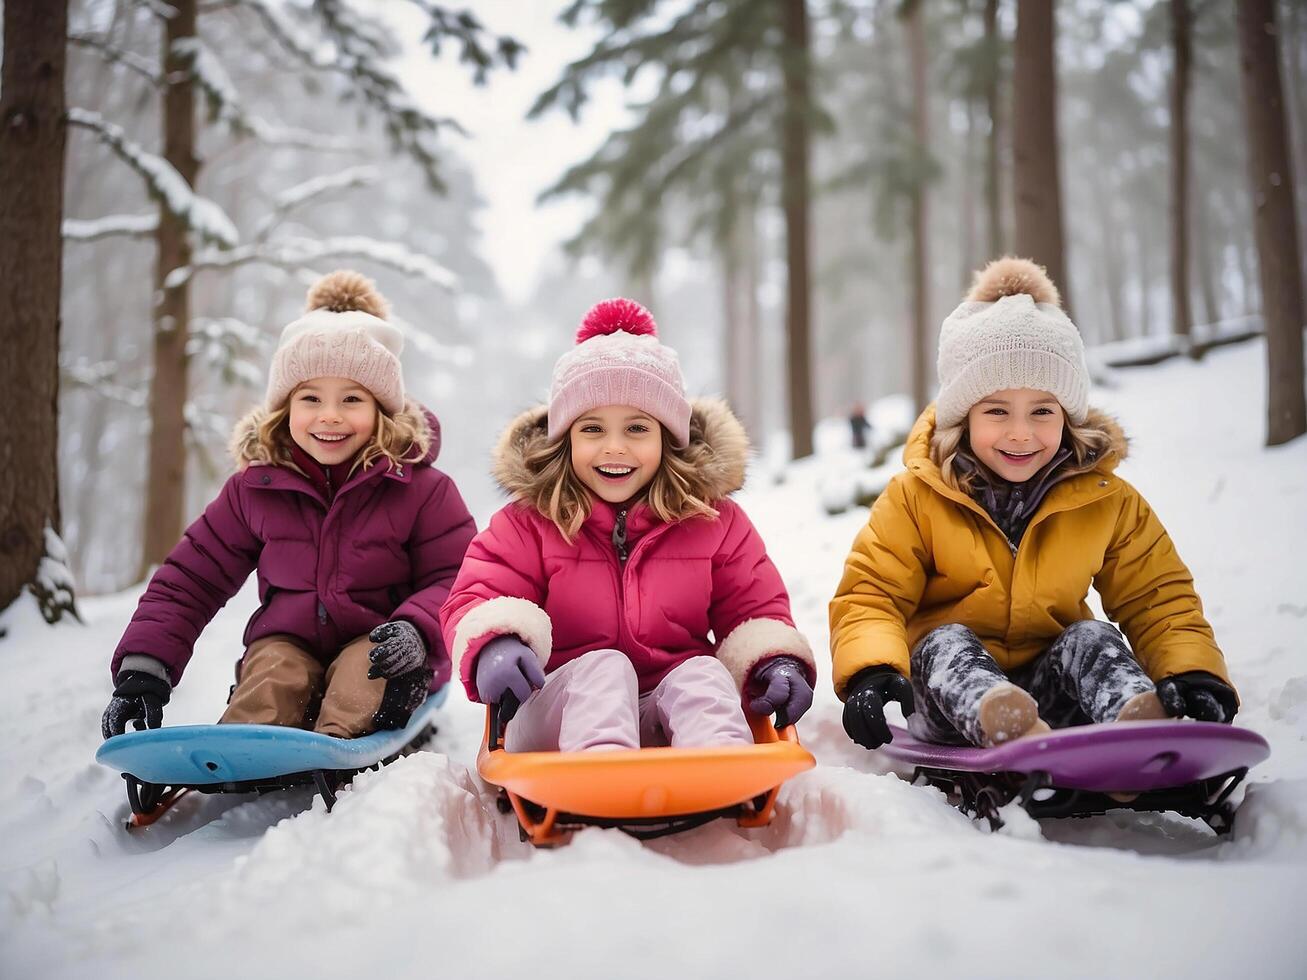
(606,666)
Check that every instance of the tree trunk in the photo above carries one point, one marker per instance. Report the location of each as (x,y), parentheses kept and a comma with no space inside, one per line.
(967,253)
(1274,219)
(166,475)
(1204,269)
(32,134)
(795,193)
(1037,189)
(752,358)
(1181,312)
(993,185)
(919,270)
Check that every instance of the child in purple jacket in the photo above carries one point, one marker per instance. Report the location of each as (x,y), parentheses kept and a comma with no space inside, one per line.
(622,599)
(355,535)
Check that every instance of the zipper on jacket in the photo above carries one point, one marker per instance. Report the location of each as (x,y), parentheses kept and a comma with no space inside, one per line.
(619,536)
(322,613)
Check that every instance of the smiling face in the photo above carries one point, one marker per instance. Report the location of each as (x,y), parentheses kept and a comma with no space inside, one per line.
(1016,432)
(616,450)
(331,419)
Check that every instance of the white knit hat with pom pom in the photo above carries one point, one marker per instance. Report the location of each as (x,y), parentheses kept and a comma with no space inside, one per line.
(343,334)
(618,360)
(1010,332)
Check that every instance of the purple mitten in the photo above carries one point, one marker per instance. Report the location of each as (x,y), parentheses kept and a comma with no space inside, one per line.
(507,664)
(780,685)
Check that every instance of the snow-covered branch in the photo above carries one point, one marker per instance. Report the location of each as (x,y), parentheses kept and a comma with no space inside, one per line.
(294,253)
(311,189)
(226,343)
(93,229)
(159,8)
(165,184)
(457,355)
(99,377)
(143,66)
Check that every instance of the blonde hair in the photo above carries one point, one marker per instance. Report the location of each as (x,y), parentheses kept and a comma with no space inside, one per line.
(1088,443)
(404,437)
(672,494)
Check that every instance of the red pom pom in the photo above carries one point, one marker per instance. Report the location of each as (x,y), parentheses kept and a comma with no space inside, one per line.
(616,314)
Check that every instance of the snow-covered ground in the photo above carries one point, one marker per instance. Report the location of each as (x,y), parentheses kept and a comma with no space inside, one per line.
(416,873)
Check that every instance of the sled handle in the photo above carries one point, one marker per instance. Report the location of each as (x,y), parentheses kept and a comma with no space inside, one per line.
(507,707)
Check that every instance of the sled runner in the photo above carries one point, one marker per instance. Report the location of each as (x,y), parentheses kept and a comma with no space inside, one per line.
(161,765)
(645,793)
(1189,767)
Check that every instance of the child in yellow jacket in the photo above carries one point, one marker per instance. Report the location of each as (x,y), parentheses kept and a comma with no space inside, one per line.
(971,574)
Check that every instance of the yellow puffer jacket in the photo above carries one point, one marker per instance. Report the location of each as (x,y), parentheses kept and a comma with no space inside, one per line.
(930,555)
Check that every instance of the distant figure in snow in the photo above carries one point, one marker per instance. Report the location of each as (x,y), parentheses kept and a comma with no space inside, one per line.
(355,535)
(590,599)
(858,425)
(970,575)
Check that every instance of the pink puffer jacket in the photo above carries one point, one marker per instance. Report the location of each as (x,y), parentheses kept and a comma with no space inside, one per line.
(697,587)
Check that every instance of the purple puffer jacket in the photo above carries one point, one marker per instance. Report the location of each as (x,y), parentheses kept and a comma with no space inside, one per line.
(386,547)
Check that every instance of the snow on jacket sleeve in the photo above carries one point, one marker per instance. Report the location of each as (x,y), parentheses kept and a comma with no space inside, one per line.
(750,609)
(500,590)
(440,537)
(207,567)
(1148,590)
(884,578)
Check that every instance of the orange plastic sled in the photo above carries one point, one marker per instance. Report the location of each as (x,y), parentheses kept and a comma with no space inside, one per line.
(644,792)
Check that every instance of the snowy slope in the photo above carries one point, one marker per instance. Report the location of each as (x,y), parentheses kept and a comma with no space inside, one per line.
(416,874)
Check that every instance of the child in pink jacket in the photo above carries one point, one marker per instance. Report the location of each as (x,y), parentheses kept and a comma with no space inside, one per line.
(621,599)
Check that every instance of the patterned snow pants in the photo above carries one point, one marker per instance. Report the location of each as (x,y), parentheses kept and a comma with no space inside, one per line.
(1086,675)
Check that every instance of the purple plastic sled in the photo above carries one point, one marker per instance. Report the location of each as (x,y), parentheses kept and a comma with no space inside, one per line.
(1190,767)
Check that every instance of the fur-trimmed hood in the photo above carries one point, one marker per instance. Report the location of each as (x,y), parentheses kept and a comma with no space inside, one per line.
(246,451)
(718,450)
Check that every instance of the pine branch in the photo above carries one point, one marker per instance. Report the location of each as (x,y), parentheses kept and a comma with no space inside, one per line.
(164,183)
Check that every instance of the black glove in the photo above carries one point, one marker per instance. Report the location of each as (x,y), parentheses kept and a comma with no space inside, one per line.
(399,649)
(137,697)
(402,696)
(1199,695)
(864,704)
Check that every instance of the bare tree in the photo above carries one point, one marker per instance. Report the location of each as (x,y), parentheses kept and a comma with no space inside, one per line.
(796,67)
(1274,220)
(1181,21)
(993,185)
(1037,188)
(32,135)
(913,17)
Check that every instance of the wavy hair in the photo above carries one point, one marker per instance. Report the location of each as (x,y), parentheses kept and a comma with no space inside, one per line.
(1089,443)
(404,437)
(673,494)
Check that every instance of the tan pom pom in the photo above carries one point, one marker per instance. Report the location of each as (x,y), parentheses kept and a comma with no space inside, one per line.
(343,290)
(1011,276)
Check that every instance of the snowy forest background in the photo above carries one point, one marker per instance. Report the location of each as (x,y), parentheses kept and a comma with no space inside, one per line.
(327,135)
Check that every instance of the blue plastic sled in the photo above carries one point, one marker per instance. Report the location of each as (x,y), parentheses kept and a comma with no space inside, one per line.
(161,764)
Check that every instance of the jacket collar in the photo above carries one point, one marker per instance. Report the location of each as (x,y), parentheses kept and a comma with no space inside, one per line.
(1076,491)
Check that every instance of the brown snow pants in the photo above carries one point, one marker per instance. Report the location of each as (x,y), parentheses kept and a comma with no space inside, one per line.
(281,683)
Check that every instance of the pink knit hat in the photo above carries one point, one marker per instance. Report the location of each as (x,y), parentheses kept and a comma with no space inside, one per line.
(343,334)
(617,360)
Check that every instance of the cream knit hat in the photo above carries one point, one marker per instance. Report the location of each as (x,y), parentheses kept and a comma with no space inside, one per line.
(1010,332)
(343,334)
